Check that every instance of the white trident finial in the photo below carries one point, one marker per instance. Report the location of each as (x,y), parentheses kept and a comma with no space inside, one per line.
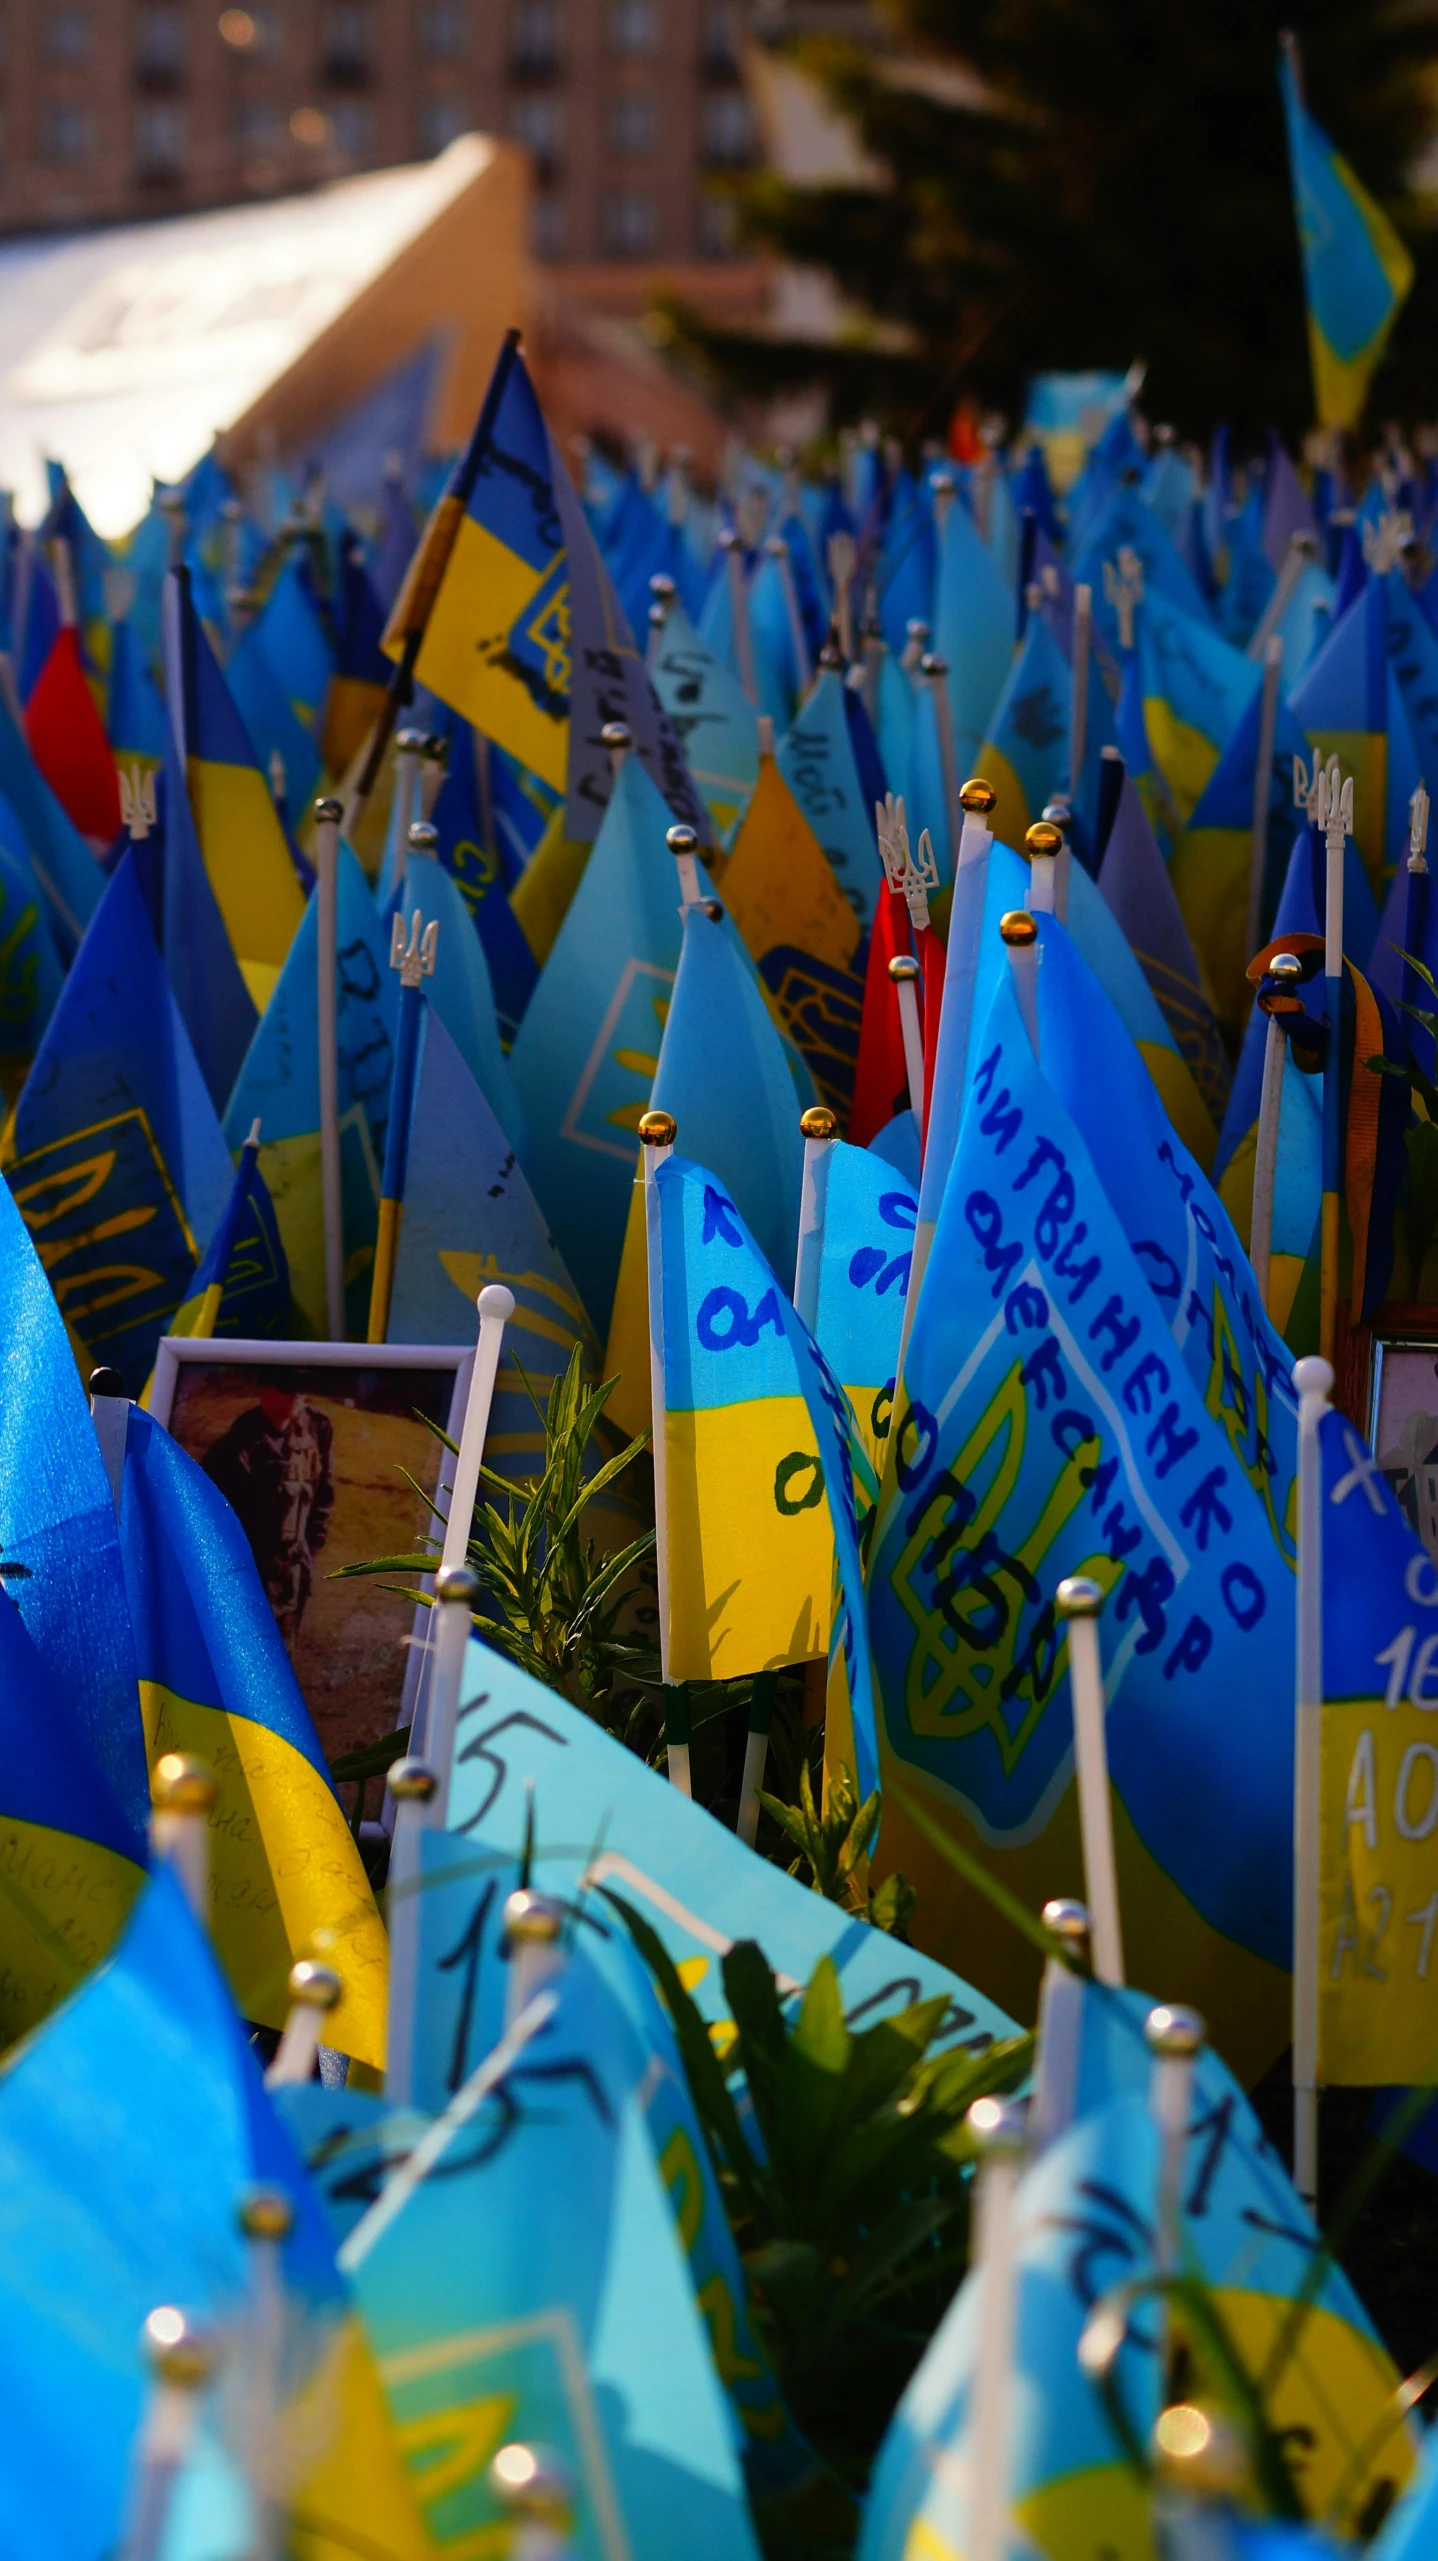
(913,873)
(1331,806)
(1418,830)
(1123,587)
(414,959)
(137,802)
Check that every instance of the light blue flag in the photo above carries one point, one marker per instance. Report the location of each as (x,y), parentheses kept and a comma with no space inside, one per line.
(925,799)
(460,990)
(897,1144)
(289,633)
(1025,754)
(1196,689)
(974,624)
(279,1085)
(470,1219)
(1087,2225)
(1123,522)
(66,869)
(113,1152)
(573,2324)
(711,715)
(853,1280)
(724,1074)
(132,2128)
(135,715)
(1048,1426)
(1356,271)
(771,635)
(57,1523)
(584,1060)
(816,759)
(894,726)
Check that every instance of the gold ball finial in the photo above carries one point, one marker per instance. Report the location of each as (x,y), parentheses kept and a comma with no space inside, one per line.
(411,1781)
(978,795)
(534,2484)
(1019,928)
(1200,2453)
(997,2127)
(1079,1596)
(1069,1921)
(658,1129)
(682,839)
(182,1783)
(180,2349)
(1174,2034)
(903,966)
(314,1985)
(458,1583)
(818,1122)
(532,1920)
(1044,837)
(267,2214)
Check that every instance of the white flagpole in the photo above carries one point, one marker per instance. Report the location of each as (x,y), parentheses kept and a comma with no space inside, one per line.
(457,1590)
(999,2127)
(328,814)
(1060,2026)
(496,1306)
(1078,709)
(819,1129)
(906,974)
(315,1989)
(413,1790)
(267,2219)
(657,1133)
(533,2484)
(182,2359)
(1175,2040)
(1313,1379)
(110,1414)
(936,672)
(1080,1599)
(732,546)
(946,1099)
(778,551)
(533,1948)
(183,1793)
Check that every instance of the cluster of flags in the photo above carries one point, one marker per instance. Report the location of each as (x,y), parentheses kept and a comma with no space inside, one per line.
(916,973)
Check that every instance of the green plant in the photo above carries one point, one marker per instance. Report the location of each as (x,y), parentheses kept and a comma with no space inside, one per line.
(834,1842)
(371,1761)
(850,2209)
(554,1604)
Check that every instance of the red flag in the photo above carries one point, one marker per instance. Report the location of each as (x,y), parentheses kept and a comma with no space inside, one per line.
(881,1080)
(931,958)
(68,742)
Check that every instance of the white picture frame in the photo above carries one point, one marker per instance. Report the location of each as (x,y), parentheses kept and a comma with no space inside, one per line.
(179,1352)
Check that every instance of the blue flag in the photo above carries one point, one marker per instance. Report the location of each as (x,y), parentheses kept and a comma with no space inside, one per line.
(1356,271)
(113,1152)
(478,849)
(242,1286)
(1048,1426)
(460,990)
(852,1289)
(711,715)
(818,763)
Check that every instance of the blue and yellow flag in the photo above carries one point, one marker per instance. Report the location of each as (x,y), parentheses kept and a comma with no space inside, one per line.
(57,1523)
(290,634)
(1135,882)
(460,990)
(975,625)
(273,724)
(200,963)
(526,637)
(853,1281)
(1048,1425)
(800,929)
(758,1458)
(1378,1787)
(133,2127)
(279,1085)
(71,1861)
(134,715)
(245,854)
(470,1218)
(1213,857)
(1087,2221)
(1351,704)
(215,1679)
(113,1152)
(242,1285)
(1356,271)
(1196,689)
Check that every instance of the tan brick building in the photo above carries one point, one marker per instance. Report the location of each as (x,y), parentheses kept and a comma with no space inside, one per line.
(111,109)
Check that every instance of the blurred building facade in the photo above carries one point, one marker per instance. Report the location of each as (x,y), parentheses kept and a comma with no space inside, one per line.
(115,109)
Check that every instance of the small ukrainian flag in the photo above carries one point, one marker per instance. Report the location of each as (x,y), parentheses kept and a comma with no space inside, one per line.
(1356,271)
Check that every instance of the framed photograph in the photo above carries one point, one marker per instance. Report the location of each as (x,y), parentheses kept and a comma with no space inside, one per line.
(313,1444)
(1403,1425)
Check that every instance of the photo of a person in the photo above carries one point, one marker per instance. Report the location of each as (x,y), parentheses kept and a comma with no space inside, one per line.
(1405,1437)
(274,1466)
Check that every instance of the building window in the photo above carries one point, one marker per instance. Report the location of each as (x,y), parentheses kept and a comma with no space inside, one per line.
(534,38)
(442,31)
(442,120)
(259,126)
(255,32)
(67,131)
(546,226)
(159,141)
(65,35)
(539,124)
(633,124)
(629,224)
(719,42)
(347,45)
(717,227)
(351,124)
(634,26)
(159,45)
(726,126)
